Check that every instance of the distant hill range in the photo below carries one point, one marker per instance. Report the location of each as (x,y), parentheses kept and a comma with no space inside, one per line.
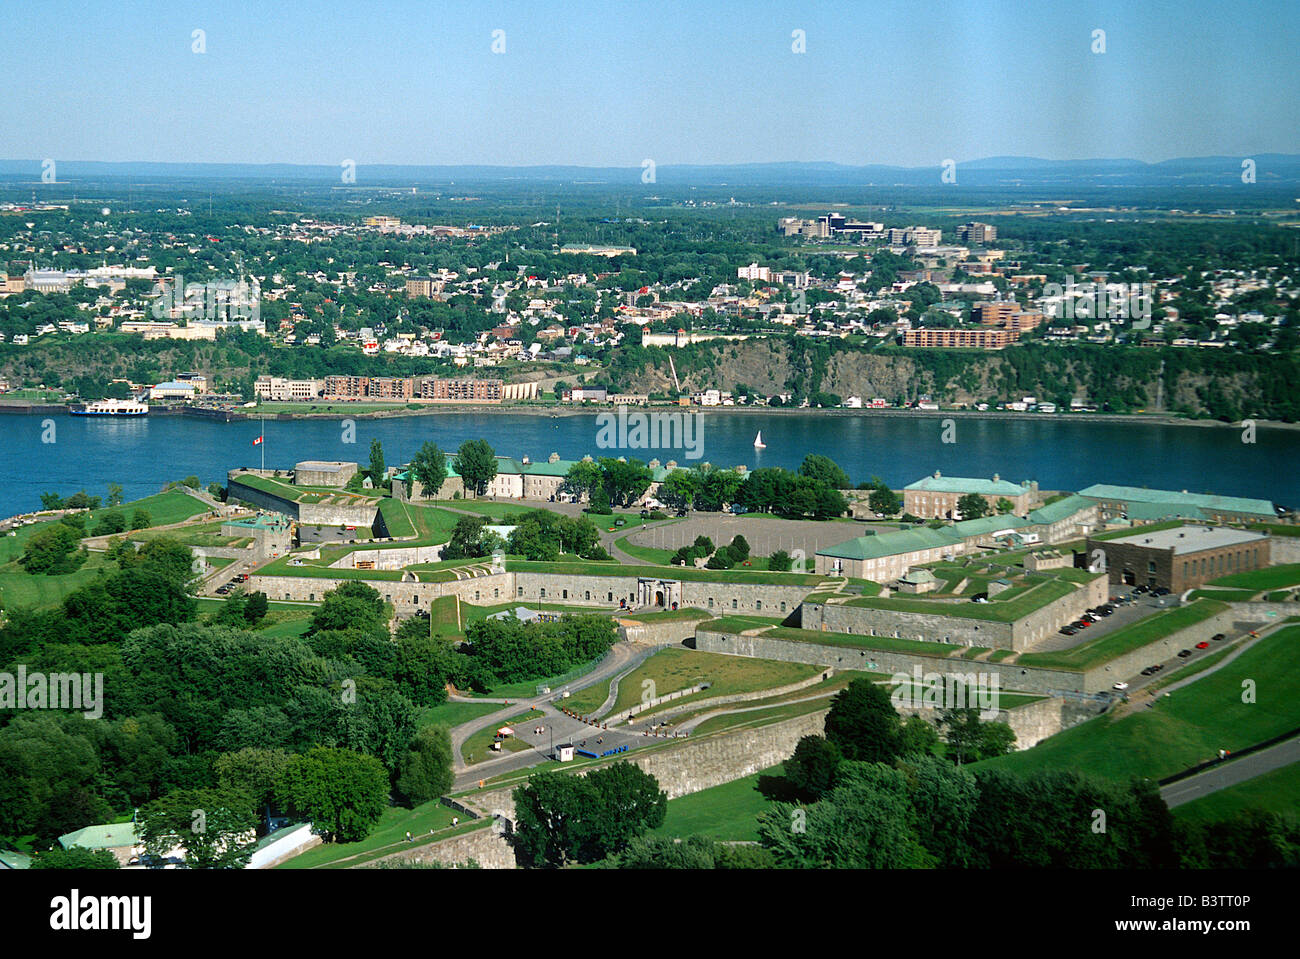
(1275,169)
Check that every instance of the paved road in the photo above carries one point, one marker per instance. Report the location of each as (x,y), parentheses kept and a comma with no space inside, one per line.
(622,658)
(1232,773)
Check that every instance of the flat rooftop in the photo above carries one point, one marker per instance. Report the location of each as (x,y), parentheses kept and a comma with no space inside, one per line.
(321,466)
(1191,539)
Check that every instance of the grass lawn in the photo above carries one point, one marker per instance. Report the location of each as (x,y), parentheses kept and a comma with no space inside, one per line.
(728,812)
(1227,595)
(856,641)
(1189,726)
(389,835)
(1278,792)
(453,714)
(20,588)
(1270,577)
(172,506)
(671,615)
(761,717)
(673,668)
(993,611)
(738,623)
(1145,631)
(647,554)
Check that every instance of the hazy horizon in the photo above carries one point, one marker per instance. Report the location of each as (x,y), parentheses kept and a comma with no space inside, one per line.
(683,84)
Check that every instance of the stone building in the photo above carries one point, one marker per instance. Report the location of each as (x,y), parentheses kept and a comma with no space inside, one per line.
(937,495)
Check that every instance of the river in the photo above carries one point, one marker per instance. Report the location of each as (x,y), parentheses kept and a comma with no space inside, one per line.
(88,453)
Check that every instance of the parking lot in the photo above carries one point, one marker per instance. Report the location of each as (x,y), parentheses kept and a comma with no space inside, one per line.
(1142,607)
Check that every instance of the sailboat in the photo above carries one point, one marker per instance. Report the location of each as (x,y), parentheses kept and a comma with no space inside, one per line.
(758,441)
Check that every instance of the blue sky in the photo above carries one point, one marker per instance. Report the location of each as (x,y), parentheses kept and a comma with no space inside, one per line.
(611,83)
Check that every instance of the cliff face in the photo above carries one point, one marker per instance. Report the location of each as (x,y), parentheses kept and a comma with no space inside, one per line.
(1193,382)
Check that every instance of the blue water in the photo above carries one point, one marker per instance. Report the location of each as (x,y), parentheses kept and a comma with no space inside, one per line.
(1060,454)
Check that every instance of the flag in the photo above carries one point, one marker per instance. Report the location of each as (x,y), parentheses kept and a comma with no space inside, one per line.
(258,441)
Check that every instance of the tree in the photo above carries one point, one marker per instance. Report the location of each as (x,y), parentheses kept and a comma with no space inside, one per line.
(919,738)
(561,818)
(779,562)
(74,858)
(973,506)
(429,469)
(52,550)
(824,469)
(377,467)
(114,494)
(476,465)
(257,607)
(426,770)
(863,724)
(583,478)
(140,519)
(471,538)
(884,500)
(679,488)
(812,768)
(111,522)
(970,738)
(1005,505)
(215,830)
(342,792)
(253,772)
(863,823)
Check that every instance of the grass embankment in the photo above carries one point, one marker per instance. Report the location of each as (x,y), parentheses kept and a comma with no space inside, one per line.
(995,611)
(727,812)
(1270,577)
(588,568)
(388,836)
(855,641)
(673,669)
(1186,727)
(165,508)
(1134,636)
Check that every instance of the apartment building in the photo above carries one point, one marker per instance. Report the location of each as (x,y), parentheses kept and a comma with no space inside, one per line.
(368,388)
(282,390)
(977,234)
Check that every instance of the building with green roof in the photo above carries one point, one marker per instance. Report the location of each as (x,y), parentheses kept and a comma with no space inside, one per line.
(122,839)
(1068,518)
(937,495)
(1121,502)
(887,556)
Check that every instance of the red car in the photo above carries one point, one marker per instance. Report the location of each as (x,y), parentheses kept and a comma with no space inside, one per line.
(1202,645)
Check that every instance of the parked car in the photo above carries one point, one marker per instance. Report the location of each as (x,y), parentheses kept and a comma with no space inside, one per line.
(1219,637)
(1162,591)
(1068,630)
(1184,653)
(1202,645)
(1148,671)
(1120,686)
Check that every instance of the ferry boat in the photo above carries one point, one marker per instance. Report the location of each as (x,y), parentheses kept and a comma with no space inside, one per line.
(117,408)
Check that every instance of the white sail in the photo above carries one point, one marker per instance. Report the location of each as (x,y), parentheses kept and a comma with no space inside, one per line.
(758,441)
